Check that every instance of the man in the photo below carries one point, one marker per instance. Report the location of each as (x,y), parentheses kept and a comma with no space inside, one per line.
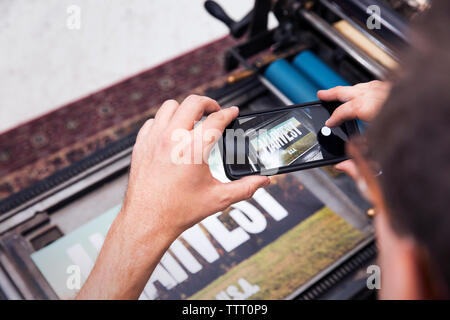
(408,141)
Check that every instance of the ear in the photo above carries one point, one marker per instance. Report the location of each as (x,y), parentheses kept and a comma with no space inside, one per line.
(406,269)
(401,276)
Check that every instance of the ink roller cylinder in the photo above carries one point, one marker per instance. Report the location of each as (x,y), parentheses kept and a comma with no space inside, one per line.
(322,75)
(316,70)
(294,85)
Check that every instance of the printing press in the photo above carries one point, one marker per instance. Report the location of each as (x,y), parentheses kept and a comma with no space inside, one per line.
(309,235)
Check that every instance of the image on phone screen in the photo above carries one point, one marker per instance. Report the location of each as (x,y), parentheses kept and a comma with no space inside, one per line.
(267,142)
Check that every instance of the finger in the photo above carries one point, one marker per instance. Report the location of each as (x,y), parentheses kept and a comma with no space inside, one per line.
(348,167)
(241,189)
(214,125)
(141,145)
(165,114)
(219,120)
(339,93)
(345,112)
(192,110)
(145,129)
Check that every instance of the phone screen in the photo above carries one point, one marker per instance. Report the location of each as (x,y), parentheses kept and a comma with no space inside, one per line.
(294,137)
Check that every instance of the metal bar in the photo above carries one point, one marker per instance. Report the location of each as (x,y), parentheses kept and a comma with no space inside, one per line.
(337,10)
(8,288)
(363,59)
(22,270)
(323,187)
(65,190)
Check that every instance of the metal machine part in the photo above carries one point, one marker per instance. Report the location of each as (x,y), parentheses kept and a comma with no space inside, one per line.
(65,207)
(293,14)
(38,215)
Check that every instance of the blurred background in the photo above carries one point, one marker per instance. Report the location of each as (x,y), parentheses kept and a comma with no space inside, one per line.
(45,64)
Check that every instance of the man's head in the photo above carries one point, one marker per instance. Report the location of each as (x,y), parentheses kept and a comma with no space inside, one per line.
(410,141)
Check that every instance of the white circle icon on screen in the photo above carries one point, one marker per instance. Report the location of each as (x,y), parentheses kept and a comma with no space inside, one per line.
(325,131)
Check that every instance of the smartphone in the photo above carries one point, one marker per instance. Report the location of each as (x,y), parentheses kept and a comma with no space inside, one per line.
(284,140)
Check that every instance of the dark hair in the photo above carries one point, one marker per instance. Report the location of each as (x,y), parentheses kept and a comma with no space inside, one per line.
(410,140)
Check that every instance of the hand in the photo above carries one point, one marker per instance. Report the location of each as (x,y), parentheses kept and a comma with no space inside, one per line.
(170,184)
(170,189)
(362,101)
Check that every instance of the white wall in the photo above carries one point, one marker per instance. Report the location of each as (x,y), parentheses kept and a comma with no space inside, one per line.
(43,64)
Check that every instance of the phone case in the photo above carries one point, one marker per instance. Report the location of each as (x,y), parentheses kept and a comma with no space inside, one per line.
(350,127)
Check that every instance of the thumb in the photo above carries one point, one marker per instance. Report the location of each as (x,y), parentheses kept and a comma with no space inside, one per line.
(244,188)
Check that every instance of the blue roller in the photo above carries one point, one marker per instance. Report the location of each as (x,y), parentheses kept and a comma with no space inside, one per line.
(301,83)
(292,83)
(320,74)
(317,71)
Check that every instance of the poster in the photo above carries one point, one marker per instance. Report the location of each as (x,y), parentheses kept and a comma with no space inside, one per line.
(263,248)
